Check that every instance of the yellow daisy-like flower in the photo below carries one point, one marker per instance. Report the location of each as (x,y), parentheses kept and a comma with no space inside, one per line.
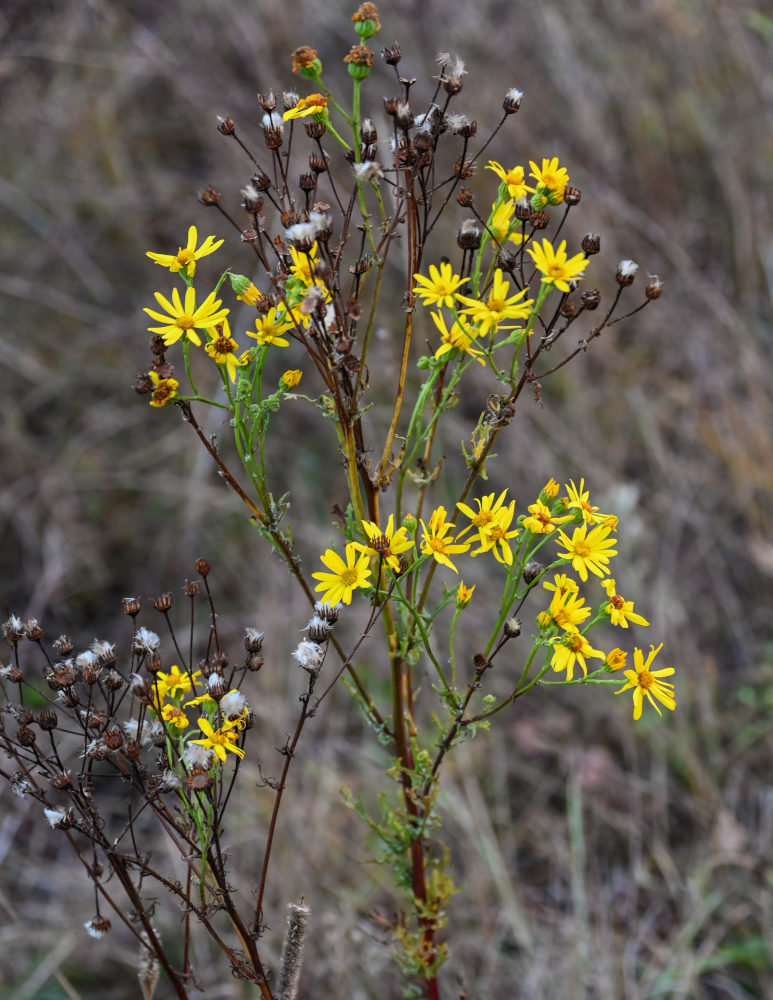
(569,649)
(549,490)
(174,716)
(562,584)
(222,349)
(271,327)
(344,577)
(304,264)
(568,611)
(500,222)
(458,338)
(498,307)
(645,682)
(440,287)
(540,521)
(551,178)
(578,498)
(176,682)
(619,610)
(314,104)
(554,265)
(438,543)
(616,659)
(495,537)
(220,740)
(164,389)
(464,595)
(291,378)
(387,544)
(202,699)
(513,178)
(588,551)
(486,513)
(184,319)
(186,257)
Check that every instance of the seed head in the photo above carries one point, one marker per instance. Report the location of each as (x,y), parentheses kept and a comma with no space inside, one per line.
(391,54)
(512,101)
(97,927)
(654,287)
(532,570)
(626,272)
(591,299)
(163,602)
(131,606)
(512,628)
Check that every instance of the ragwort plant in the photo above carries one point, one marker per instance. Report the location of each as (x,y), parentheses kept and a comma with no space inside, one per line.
(508,309)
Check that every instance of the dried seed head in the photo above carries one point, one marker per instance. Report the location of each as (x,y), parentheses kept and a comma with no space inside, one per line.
(33,629)
(626,272)
(291,960)
(532,570)
(131,750)
(143,384)
(20,784)
(481,661)
(216,686)
(315,130)
(112,680)
(654,287)
(59,818)
(210,196)
(310,656)
(591,244)
(233,704)
(153,663)
(97,927)
(572,195)
(469,235)
(512,628)
(226,126)
(163,603)
(391,54)
(329,612)
(62,781)
(145,641)
(568,309)
(63,646)
(540,219)
(267,101)
(21,713)
(253,640)
(113,738)
(197,756)
(512,101)
(591,299)
(368,133)
(451,72)
(318,629)
(11,673)
(26,737)
(191,588)
(91,674)
(254,662)
(13,630)
(47,720)
(523,210)
(69,697)
(403,115)
(131,606)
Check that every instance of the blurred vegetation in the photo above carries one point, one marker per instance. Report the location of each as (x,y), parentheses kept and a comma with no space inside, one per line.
(627,863)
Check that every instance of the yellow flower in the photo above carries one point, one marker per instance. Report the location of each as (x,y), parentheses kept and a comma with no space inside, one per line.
(440,287)
(616,659)
(184,320)
(549,490)
(495,535)
(554,266)
(501,220)
(220,740)
(551,180)
(458,338)
(541,521)
(439,545)
(164,389)
(568,611)
(563,584)
(314,104)
(569,649)
(387,544)
(464,595)
(251,295)
(645,682)
(271,327)
(344,577)
(619,610)
(487,510)
(578,498)
(291,378)
(513,178)
(185,258)
(588,551)
(222,349)
(304,264)
(175,683)
(498,307)
(174,716)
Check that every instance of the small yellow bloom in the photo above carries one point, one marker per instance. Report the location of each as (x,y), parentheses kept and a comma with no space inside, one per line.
(314,104)
(551,180)
(569,649)
(616,659)
(176,682)
(498,307)
(562,584)
(646,682)
(271,327)
(588,551)
(619,610)
(541,521)
(501,220)
(513,178)
(438,543)
(387,544)
(554,265)
(291,378)
(164,389)
(549,490)
(220,740)
(344,577)
(440,287)
(186,257)
(184,319)
(174,716)
(222,349)
(578,498)
(568,611)
(458,338)
(464,594)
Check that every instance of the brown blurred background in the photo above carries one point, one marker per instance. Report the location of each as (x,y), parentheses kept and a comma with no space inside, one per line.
(635,864)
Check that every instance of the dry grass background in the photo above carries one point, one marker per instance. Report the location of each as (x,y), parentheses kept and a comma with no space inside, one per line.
(598,860)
